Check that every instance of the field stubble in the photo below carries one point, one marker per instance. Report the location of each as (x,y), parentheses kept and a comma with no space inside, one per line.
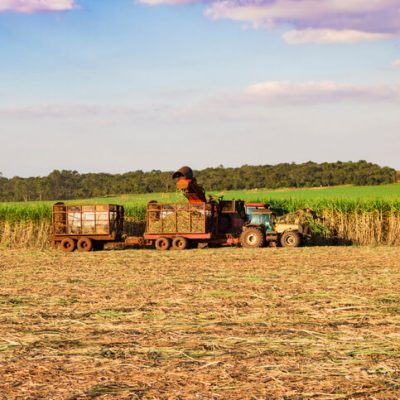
(293,324)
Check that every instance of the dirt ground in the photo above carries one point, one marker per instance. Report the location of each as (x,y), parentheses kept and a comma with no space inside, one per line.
(290,324)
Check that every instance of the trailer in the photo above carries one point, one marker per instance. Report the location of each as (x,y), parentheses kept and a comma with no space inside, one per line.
(86,227)
(178,225)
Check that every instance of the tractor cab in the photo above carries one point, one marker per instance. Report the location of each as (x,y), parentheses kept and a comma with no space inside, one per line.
(260,215)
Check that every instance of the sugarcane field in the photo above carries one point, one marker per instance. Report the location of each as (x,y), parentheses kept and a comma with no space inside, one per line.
(194,296)
(199,200)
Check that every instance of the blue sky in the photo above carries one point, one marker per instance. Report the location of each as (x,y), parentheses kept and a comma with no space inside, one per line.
(118,85)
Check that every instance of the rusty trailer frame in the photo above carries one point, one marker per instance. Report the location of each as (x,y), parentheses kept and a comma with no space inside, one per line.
(192,221)
(88,224)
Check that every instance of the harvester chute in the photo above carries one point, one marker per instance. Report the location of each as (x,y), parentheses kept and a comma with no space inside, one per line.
(188,186)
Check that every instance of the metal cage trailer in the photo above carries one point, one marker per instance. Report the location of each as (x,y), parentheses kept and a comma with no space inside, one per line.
(86,227)
(180,226)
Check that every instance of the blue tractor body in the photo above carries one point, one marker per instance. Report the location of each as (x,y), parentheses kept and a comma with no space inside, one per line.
(258,214)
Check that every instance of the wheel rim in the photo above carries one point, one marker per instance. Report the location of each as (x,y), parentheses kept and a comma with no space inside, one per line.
(251,239)
(290,240)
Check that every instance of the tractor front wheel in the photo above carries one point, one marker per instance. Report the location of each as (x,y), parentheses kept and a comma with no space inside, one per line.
(290,239)
(252,238)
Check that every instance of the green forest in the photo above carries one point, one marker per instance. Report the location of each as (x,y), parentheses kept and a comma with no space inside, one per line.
(74,185)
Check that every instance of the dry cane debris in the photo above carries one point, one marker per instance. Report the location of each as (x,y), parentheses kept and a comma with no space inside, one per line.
(295,324)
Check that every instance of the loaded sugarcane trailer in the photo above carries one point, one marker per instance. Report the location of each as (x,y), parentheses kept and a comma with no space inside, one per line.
(181,226)
(89,227)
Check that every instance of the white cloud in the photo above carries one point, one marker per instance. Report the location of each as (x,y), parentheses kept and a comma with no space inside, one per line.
(316,21)
(311,21)
(262,11)
(320,92)
(31,6)
(168,2)
(271,93)
(332,36)
(396,63)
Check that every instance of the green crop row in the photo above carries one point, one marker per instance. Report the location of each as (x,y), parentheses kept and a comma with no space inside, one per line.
(23,212)
(135,208)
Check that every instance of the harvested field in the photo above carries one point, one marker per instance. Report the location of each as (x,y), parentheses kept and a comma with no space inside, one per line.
(308,323)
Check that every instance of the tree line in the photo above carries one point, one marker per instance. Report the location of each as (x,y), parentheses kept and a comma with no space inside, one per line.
(73,185)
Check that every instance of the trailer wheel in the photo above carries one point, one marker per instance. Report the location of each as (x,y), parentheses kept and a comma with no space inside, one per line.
(290,239)
(180,243)
(67,245)
(163,243)
(252,238)
(85,244)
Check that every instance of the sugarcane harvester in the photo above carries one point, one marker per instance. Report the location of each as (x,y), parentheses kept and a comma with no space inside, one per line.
(214,221)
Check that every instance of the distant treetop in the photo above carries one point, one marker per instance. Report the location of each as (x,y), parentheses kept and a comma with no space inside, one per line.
(73,185)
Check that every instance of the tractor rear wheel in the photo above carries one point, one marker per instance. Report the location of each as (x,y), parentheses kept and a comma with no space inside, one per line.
(180,243)
(85,244)
(252,238)
(290,239)
(163,243)
(67,245)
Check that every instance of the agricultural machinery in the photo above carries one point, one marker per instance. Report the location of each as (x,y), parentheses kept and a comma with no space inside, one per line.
(260,227)
(200,221)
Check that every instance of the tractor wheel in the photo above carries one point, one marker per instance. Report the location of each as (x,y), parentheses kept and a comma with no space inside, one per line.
(163,243)
(180,243)
(252,238)
(85,244)
(67,245)
(290,239)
